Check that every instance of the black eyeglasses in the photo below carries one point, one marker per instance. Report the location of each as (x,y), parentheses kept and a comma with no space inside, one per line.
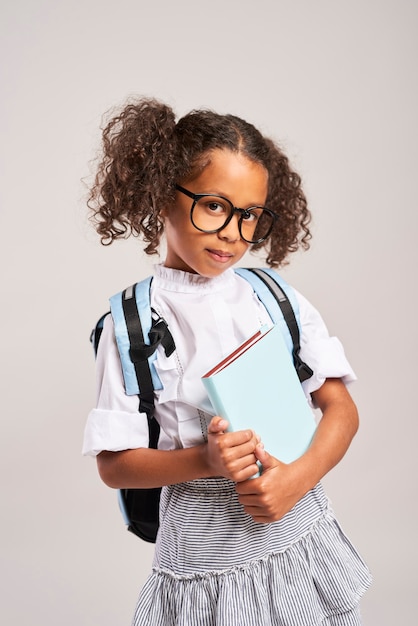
(211,213)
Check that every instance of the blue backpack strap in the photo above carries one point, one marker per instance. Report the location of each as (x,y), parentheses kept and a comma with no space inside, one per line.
(139,296)
(282,305)
(268,299)
(96,333)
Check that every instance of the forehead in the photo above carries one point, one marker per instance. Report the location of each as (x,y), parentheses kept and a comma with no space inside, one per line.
(234,175)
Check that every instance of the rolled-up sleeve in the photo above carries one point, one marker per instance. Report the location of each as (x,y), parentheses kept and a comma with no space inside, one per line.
(324,354)
(115,424)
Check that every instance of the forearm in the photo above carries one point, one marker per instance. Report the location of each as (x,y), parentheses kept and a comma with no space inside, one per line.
(335,431)
(230,455)
(144,468)
(280,486)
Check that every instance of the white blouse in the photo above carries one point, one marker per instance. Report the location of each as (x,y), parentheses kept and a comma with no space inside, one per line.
(208,318)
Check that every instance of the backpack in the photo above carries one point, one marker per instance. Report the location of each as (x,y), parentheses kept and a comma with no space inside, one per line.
(139,331)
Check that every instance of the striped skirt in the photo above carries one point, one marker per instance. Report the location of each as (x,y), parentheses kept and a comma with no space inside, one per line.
(214,566)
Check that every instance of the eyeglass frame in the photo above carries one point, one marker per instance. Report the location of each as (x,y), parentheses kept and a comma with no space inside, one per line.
(241,212)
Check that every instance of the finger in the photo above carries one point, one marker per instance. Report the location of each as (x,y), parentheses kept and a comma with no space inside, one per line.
(251,487)
(217,425)
(245,474)
(262,515)
(267,460)
(240,451)
(241,437)
(244,462)
(261,454)
(262,519)
(256,509)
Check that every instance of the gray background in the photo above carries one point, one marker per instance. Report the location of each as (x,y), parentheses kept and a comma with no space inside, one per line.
(336,83)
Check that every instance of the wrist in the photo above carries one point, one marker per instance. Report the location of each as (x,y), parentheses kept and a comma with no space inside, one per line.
(208,468)
(306,472)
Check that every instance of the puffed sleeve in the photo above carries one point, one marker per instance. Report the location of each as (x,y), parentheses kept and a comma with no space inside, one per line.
(324,354)
(115,424)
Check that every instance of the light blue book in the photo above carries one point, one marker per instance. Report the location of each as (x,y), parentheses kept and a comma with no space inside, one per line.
(257,387)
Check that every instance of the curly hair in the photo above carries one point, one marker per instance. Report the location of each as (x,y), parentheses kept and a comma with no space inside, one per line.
(145,153)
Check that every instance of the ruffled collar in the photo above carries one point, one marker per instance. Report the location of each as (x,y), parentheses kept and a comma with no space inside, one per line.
(176,280)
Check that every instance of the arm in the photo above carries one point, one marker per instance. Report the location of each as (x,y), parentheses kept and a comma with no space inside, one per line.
(231,455)
(269,497)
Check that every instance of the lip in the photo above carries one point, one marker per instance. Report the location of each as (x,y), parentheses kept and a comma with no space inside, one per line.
(221,256)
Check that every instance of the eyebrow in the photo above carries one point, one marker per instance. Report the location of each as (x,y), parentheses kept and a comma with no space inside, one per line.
(223,195)
(192,194)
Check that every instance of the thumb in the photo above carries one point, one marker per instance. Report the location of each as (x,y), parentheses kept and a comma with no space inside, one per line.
(266,460)
(217,425)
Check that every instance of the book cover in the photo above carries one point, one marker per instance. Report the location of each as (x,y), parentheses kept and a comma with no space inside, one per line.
(257,387)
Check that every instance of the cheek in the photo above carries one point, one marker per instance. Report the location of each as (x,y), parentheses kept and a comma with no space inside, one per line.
(176,217)
(176,227)
(179,234)
(243,249)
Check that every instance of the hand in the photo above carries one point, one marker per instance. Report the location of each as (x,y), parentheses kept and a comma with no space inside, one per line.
(231,455)
(273,494)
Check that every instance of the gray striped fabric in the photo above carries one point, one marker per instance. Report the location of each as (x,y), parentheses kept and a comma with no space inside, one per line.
(214,565)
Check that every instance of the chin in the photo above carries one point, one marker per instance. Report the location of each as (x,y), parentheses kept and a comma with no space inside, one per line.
(216,271)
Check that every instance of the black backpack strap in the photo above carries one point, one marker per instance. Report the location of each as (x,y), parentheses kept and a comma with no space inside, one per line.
(136,340)
(140,351)
(140,507)
(303,370)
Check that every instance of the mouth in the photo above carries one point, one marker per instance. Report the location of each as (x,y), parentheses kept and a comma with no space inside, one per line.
(220,255)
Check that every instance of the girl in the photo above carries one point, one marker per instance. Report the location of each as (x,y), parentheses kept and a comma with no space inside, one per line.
(231,550)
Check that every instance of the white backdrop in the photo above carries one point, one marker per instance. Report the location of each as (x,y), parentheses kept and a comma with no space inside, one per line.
(336,83)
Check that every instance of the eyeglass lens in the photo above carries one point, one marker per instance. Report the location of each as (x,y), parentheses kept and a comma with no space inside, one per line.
(211,213)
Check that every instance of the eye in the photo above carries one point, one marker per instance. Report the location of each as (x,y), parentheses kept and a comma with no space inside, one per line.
(250,215)
(214,206)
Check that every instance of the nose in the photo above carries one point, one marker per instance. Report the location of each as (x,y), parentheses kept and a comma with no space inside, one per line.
(231,231)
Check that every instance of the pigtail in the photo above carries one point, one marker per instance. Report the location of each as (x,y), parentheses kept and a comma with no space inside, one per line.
(287,199)
(135,178)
